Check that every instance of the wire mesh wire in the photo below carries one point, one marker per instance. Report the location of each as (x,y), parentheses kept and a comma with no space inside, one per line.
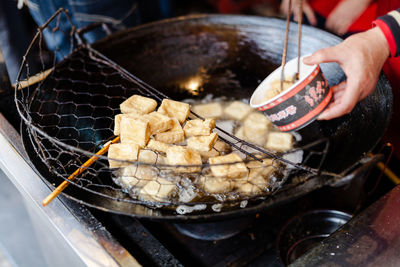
(70,115)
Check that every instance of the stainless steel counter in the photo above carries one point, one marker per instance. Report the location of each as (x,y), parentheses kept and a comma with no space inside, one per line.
(69,234)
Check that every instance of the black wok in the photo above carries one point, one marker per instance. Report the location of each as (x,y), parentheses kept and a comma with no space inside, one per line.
(230,55)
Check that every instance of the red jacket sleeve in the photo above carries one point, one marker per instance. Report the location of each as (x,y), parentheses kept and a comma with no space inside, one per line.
(390,26)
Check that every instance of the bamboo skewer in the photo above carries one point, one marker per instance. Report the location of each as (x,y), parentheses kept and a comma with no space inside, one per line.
(32,80)
(78,171)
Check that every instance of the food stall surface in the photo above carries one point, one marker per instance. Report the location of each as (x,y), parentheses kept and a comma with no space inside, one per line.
(16,233)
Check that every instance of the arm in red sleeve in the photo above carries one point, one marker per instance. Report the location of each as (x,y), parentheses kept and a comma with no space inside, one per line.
(390,26)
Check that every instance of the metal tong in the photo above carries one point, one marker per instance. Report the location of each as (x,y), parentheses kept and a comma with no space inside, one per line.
(297,74)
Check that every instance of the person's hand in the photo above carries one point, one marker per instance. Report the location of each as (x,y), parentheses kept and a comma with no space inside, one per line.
(361,56)
(344,14)
(295,10)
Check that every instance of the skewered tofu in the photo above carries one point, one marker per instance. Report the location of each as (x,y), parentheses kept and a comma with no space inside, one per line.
(211,110)
(134,130)
(215,185)
(158,122)
(157,146)
(199,127)
(237,110)
(279,141)
(173,135)
(175,109)
(255,128)
(126,151)
(158,190)
(229,170)
(202,143)
(178,155)
(137,104)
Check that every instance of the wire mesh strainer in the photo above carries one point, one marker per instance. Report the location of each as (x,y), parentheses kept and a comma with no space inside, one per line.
(69,116)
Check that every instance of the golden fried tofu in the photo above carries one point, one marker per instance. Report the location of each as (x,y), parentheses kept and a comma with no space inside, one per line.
(138,104)
(117,121)
(158,122)
(278,141)
(173,135)
(210,110)
(205,155)
(247,188)
(159,190)
(199,127)
(222,147)
(157,146)
(175,109)
(178,155)
(137,175)
(236,170)
(202,143)
(237,110)
(134,130)
(147,156)
(122,151)
(255,128)
(215,185)
(263,169)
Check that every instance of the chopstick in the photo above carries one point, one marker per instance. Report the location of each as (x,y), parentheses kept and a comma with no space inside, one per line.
(78,171)
(284,53)
(32,80)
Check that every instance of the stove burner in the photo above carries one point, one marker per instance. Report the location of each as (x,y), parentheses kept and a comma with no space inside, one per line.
(218,230)
(301,233)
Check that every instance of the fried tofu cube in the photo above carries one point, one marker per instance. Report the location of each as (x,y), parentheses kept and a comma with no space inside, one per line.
(215,185)
(202,143)
(211,110)
(173,135)
(237,110)
(157,146)
(222,147)
(147,156)
(236,170)
(205,155)
(122,151)
(134,131)
(178,155)
(138,104)
(158,122)
(117,121)
(278,141)
(255,128)
(261,169)
(175,109)
(248,188)
(158,190)
(137,176)
(199,127)
(240,133)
